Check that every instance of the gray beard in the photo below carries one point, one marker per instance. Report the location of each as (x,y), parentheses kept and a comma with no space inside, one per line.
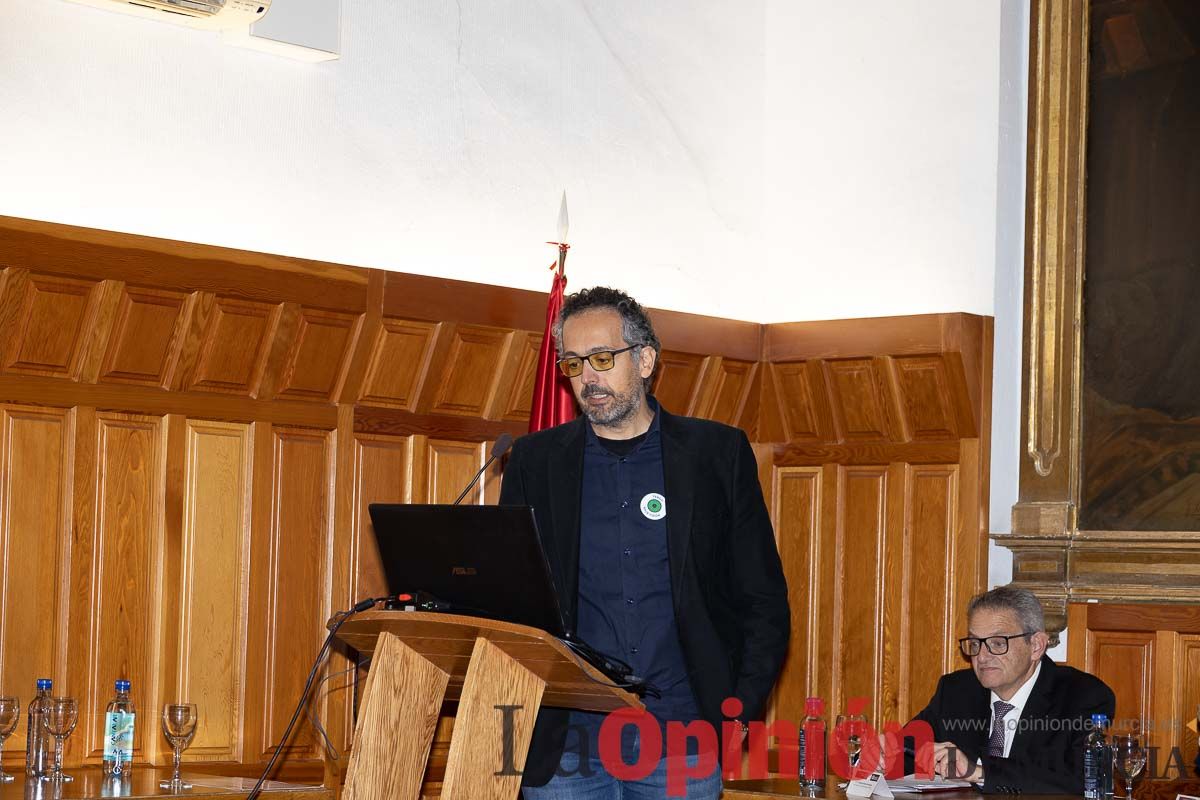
(621,409)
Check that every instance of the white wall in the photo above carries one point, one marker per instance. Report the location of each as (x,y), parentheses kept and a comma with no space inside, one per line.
(842,154)
(882,152)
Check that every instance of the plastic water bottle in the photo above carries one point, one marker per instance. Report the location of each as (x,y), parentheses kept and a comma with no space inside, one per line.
(812,746)
(118,732)
(37,747)
(1097,761)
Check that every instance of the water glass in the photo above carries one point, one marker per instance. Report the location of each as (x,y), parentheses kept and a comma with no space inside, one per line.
(10,712)
(59,716)
(853,727)
(1129,757)
(179,726)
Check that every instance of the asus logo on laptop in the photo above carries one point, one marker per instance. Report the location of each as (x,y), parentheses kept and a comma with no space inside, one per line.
(462,571)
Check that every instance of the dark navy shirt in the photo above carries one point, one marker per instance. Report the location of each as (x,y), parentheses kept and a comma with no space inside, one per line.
(625,602)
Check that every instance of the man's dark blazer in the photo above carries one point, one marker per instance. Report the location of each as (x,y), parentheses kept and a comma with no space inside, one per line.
(730,598)
(1046,756)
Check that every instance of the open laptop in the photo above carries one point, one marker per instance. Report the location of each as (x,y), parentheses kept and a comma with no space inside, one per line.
(484,561)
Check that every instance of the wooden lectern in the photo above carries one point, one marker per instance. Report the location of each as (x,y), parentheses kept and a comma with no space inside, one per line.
(421,659)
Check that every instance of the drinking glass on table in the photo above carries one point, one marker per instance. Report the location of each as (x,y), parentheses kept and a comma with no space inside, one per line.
(1129,758)
(59,716)
(179,726)
(852,726)
(10,712)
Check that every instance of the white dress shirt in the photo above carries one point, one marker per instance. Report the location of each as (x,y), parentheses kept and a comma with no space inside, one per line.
(1012,719)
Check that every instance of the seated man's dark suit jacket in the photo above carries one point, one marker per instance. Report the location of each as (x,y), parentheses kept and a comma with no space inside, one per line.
(729,593)
(1046,756)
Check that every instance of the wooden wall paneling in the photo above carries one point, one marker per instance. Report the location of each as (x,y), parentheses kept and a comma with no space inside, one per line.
(98,330)
(473,365)
(679,381)
(518,397)
(793,391)
(1160,733)
(509,378)
(399,363)
(170,606)
(146,336)
(1149,654)
(333,694)
(122,631)
(358,362)
(858,587)
(144,260)
(825,671)
(262,526)
(728,389)
(214,561)
(893,634)
(299,579)
(229,351)
(35,468)
(769,427)
(926,401)
(933,608)
(1187,679)
(1125,661)
(970,576)
(281,344)
(383,467)
(320,357)
(901,431)
(1077,639)
(51,317)
(858,400)
(795,496)
(14,284)
(449,466)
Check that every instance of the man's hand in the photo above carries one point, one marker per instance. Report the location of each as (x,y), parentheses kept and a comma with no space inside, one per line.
(949,762)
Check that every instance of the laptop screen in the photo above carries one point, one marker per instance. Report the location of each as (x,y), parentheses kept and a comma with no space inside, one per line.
(482,560)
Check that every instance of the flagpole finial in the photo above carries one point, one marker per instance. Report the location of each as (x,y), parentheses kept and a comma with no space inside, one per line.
(563,221)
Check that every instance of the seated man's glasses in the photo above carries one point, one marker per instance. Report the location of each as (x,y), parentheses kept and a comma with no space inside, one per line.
(996,645)
(601,361)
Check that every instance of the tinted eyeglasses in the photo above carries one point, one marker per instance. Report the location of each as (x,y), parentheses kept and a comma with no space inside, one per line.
(601,361)
(996,645)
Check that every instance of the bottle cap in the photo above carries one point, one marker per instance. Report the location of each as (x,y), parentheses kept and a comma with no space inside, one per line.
(814,706)
(1099,720)
(122,685)
(44,683)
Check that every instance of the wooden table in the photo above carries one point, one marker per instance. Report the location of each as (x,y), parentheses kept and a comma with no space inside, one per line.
(771,788)
(90,782)
(779,788)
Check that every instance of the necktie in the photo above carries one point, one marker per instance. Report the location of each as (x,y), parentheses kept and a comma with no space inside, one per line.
(996,740)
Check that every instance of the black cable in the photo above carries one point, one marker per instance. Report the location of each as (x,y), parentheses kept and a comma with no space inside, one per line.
(330,749)
(361,605)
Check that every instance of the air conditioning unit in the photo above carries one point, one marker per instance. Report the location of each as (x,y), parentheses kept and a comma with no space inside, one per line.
(206,14)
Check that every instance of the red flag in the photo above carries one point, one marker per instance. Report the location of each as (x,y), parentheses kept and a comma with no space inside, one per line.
(553,401)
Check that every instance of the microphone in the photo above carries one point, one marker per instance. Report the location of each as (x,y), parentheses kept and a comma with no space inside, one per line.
(503,442)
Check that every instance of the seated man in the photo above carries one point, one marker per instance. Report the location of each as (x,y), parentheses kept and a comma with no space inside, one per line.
(1015,721)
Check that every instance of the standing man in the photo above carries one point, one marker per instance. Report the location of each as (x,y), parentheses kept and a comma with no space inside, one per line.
(1015,721)
(661,549)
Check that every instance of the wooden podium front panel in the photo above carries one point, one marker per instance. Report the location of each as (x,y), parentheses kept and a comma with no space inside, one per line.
(475,767)
(399,713)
